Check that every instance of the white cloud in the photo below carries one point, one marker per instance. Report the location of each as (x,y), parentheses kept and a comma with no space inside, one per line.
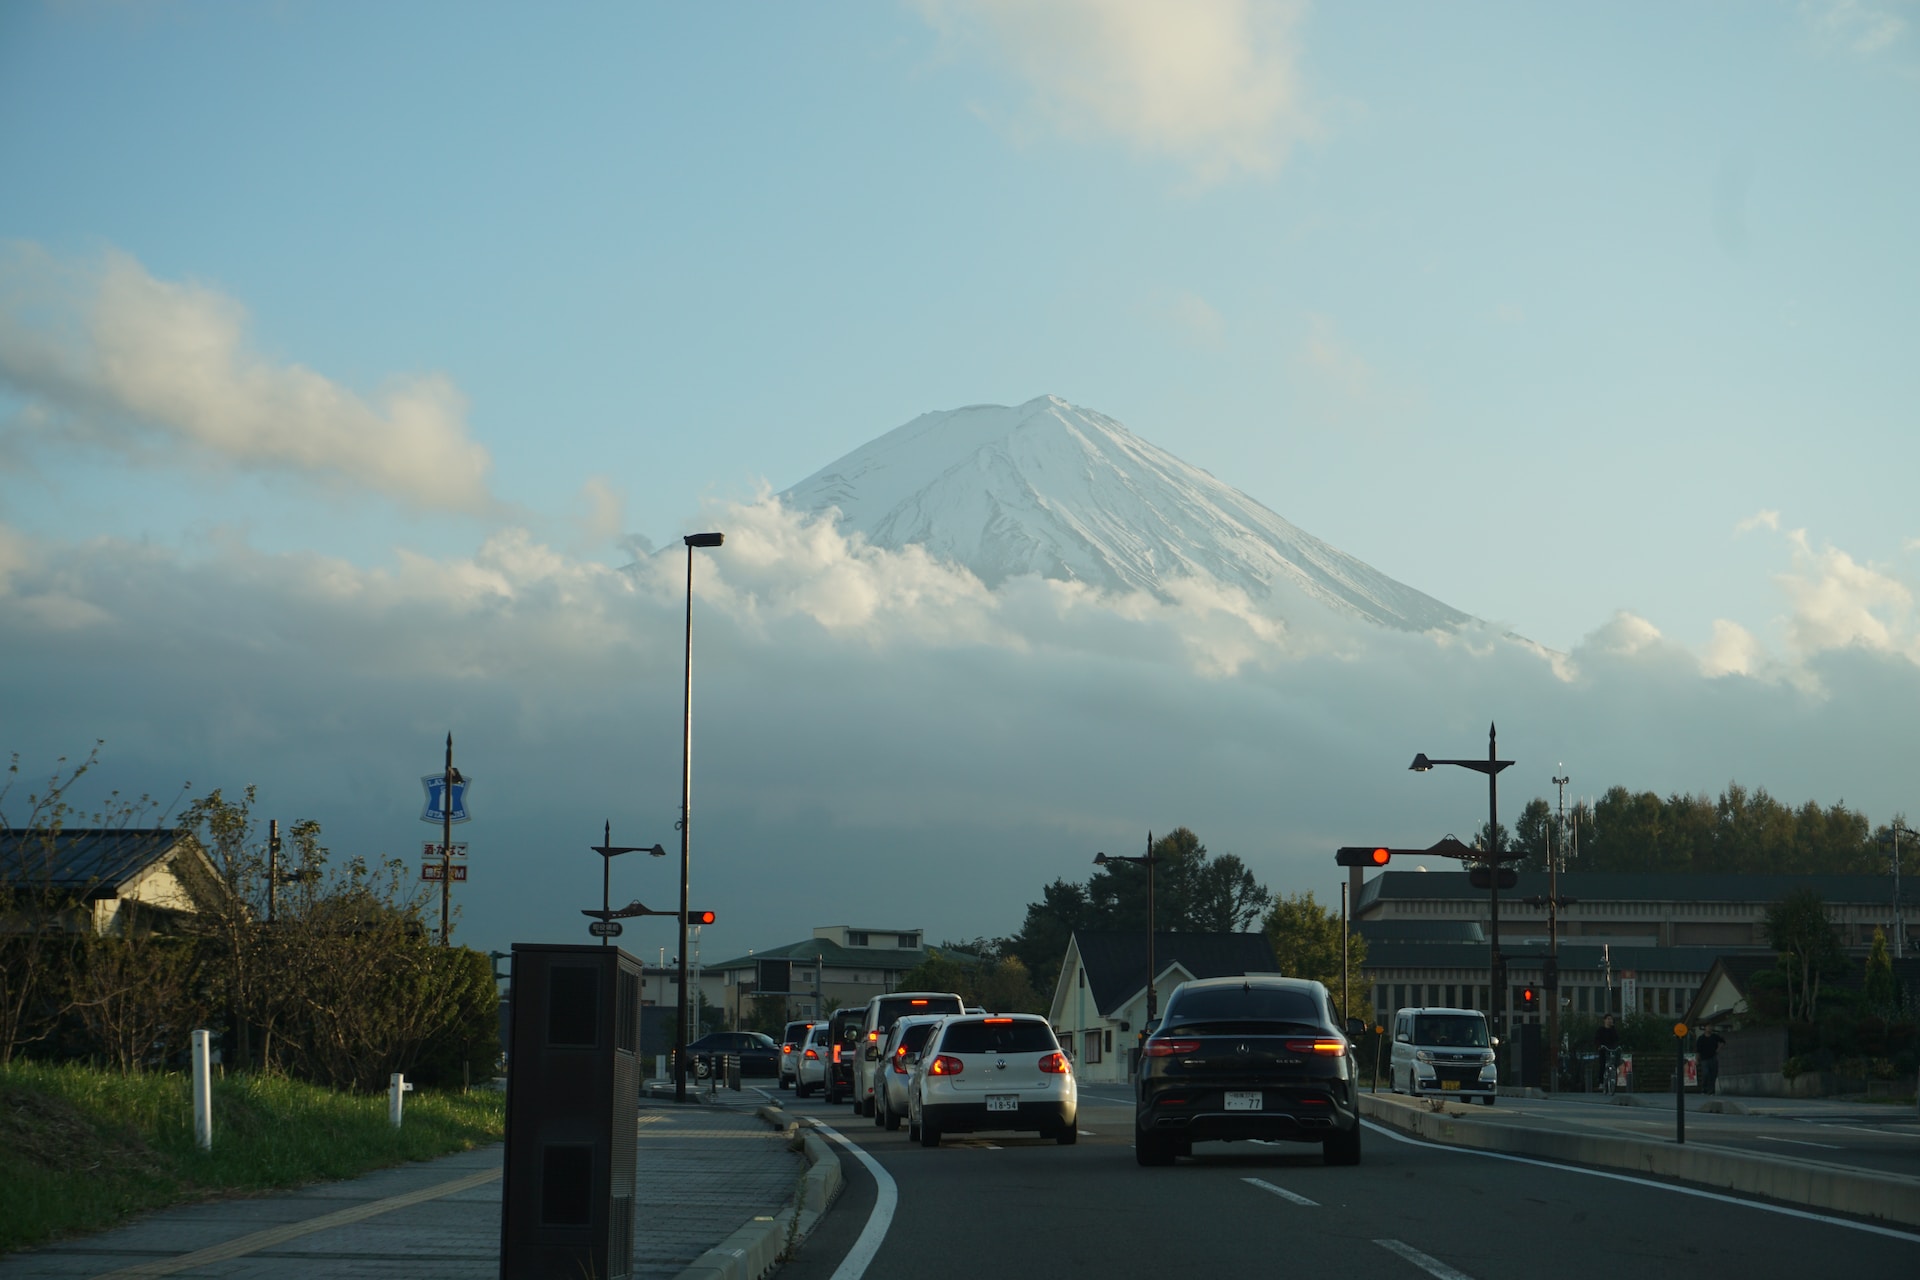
(850,703)
(1762,519)
(1733,651)
(606,511)
(1212,83)
(1197,320)
(1865,29)
(1838,603)
(160,371)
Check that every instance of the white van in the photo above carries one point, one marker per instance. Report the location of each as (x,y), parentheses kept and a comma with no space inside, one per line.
(882,1012)
(1443,1053)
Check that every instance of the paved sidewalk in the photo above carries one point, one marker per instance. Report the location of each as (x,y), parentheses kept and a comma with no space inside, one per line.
(704,1172)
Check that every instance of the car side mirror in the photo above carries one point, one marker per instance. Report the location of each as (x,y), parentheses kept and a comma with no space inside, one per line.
(873,1054)
(1403,1038)
(1356,1029)
(1494,1040)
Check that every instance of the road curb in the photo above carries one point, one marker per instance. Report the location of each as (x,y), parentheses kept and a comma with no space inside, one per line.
(1816,1186)
(756,1249)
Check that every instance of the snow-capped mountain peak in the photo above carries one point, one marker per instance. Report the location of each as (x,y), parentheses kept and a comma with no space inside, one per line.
(1052,489)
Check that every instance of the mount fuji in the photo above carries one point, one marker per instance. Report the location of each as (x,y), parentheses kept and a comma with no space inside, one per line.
(1066,493)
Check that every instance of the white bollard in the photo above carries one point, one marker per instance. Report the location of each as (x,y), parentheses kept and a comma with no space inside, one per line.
(203,1090)
(397,1088)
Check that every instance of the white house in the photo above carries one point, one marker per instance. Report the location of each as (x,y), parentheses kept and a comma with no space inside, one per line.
(1099,1005)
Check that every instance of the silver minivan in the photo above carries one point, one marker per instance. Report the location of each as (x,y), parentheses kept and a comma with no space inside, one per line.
(1443,1053)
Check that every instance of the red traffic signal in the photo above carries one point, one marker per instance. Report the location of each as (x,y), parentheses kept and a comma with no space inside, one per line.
(1362,856)
(699,917)
(1527,998)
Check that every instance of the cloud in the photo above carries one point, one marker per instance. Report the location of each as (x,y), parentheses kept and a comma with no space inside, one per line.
(1865,29)
(160,372)
(605,514)
(854,707)
(1348,386)
(1837,603)
(1763,519)
(1211,83)
(1197,320)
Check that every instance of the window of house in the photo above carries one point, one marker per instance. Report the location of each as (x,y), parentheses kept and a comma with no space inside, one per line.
(1109,1041)
(909,939)
(1093,1046)
(856,938)
(1066,1043)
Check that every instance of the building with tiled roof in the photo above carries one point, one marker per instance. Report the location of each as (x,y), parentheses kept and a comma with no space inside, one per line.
(102,880)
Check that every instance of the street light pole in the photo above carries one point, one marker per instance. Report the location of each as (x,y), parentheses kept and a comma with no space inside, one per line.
(1491,766)
(691,540)
(1899,918)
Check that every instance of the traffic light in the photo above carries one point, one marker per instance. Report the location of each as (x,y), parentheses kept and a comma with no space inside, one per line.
(1482,877)
(1362,856)
(1528,998)
(699,917)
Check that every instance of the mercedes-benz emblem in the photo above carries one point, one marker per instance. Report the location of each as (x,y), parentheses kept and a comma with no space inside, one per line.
(1243,1046)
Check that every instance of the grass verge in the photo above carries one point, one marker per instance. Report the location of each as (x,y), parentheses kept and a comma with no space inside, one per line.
(82,1149)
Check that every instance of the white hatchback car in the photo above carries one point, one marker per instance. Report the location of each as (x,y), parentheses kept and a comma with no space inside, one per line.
(810,1061)
(899,1053)
(994,1072)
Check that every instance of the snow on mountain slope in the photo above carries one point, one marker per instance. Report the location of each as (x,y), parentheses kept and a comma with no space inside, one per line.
(1063,492)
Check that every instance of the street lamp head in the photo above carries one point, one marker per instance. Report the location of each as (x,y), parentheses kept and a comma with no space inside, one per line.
(1099,859)
(704,539)
(1421,764)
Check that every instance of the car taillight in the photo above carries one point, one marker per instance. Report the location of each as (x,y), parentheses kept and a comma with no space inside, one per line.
(1055,1064)
(836,1055)
(1171,1048)
(873,1035)
(1325,1048)
(995,1021)
(900,1066)
(813,1055)
(946,1065)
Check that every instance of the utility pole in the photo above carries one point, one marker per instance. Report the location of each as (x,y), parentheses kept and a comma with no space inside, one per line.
(1554,850)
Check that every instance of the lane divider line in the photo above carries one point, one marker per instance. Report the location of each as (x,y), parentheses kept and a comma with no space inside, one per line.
(1806,1214)
(1432,1266)
(886,1197)
(259,1240)
(1282,1192)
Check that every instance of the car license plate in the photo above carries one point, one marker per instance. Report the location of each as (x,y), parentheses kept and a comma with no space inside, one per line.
(1449,1084)
(1003,1102)
(1245,1101)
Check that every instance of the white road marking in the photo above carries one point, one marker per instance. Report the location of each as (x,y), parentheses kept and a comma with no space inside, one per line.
(886,1197)
(1088,1133)
(1282,1192)
(1828,1146)
(1432,1266)
(1763,1207)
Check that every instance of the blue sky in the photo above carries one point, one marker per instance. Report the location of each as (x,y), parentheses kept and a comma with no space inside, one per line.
(1557,314)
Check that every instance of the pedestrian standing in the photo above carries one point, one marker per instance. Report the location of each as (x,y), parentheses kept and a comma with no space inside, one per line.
(1708,1047)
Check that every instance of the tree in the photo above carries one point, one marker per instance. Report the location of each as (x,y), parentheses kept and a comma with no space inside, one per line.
(997,984)
(1533,835)
(1041,944)
(1798,929)
(1306,944)
(1193,891)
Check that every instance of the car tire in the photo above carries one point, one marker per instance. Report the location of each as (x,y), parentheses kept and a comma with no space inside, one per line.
(785,1083)
(929,1133)
(1151,1149)
(879,1114)
(866,1106)
(1068,1134)
(1488,1100)
(893,1120)
(913,1127)
(1343,1148)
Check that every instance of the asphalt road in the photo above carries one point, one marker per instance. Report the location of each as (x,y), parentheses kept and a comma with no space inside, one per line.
(1005,1203)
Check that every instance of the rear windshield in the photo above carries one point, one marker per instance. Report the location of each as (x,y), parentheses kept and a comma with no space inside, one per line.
(914,1038)
(1450,1030)
(846,1029)
(893,1008)
(1244,1004)
(1018,1036)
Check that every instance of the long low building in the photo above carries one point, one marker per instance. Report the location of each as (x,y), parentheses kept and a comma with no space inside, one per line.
(1641,942)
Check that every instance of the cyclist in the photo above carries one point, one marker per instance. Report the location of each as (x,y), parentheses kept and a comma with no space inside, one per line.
(1606,1038)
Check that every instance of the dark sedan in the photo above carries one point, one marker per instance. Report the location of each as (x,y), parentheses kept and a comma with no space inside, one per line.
(1252,1057)
(758,1054)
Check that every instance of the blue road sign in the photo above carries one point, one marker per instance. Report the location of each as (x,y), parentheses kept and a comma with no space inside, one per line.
(435,785)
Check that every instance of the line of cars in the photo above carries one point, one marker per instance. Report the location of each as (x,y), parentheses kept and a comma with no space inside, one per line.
(1252,1057)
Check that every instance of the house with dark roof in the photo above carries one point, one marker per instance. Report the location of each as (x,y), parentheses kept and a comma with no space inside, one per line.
(102,880)
(1099,1007)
